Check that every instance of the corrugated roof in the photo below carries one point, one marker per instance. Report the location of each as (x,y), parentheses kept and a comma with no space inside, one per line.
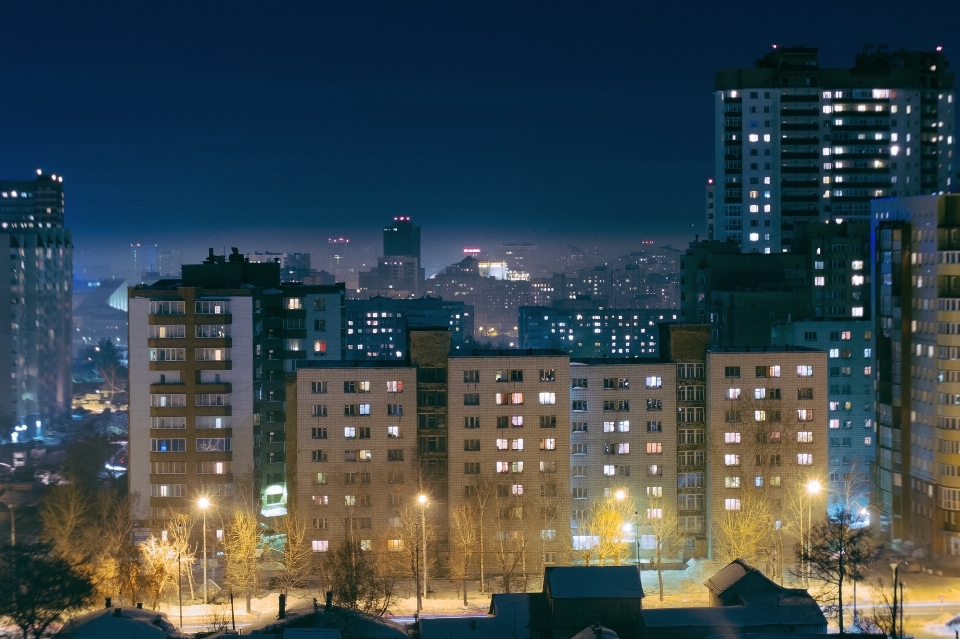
(594,582)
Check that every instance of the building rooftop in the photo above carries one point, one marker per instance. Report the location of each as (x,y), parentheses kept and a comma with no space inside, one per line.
(509,352)
(593,582)
(359,363)
(763,349)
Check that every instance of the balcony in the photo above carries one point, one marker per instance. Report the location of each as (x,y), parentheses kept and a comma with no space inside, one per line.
(214,387)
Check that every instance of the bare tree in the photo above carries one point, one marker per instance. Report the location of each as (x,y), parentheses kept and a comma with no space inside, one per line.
(243,543)
(510,541)
(464,528)
(64,515)
(179,532)
(296,555)
(836,550)
(606,528)
(358,580)
(883,614)
(664,527)
(159,560)
(484,492)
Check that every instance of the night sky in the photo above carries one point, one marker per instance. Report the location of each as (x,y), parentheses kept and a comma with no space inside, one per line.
(487,122)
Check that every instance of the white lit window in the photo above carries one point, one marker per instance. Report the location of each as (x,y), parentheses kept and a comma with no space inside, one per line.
(320,545)
(804,437)
(731,482)
(754,237)
(731,438)
(731,460)
(754,137)
(819,281)
(548,398)
(733,393)
(610,470)
(857,311)
(731,504)
(805,459)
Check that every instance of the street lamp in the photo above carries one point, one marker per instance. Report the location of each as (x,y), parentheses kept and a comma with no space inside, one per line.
(422,500)
(203,503)
(813,489)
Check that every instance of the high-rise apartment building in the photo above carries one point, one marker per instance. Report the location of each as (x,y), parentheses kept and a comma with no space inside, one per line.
(917,473)
(35,335)
(796,143)
(402,237)
(208,355)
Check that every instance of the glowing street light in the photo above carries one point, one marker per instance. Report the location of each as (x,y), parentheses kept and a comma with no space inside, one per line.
(203,503)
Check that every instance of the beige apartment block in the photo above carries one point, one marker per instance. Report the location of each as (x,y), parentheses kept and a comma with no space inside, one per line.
(509,464)
(623,443)
(355,452)
(767,433)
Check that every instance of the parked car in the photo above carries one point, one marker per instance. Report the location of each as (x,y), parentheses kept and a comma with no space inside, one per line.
(909,565)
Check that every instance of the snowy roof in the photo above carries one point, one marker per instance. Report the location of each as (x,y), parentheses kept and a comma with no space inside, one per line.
(509,617)
(133,623)
(592,633)
(593,582)
(739,582)
(727,576)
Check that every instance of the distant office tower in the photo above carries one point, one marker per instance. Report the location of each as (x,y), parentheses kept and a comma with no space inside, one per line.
(169,262)
(796,143)
(398,273)
(401,238)
(918,360)
(35,334)
(145,260)
(209,354)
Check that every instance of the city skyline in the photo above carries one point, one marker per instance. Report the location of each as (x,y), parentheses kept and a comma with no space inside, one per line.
(483,124)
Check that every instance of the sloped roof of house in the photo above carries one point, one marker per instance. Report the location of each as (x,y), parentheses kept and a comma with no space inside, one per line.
(133,623)
(739,582)
(593,582)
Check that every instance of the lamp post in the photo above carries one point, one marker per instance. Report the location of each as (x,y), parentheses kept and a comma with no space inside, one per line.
(813,489)
(422,500)
(895,566)
(203,503)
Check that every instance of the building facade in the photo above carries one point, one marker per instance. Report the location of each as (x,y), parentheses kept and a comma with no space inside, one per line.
(208,356)
(916,473)
(766,437)
(377,328)
(796,143)
(35,336)
(593,331)
(850,403)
